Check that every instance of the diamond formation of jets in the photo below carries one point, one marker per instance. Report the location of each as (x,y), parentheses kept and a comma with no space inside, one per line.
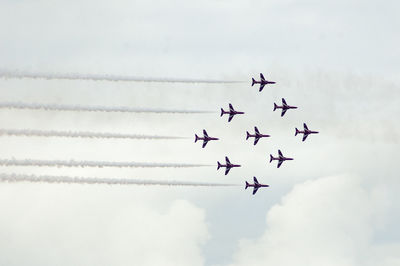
(262,82)
(205,138)
(228,165)
(280,158)
(232,112)
(257,135)
(255,186)
(305,132)
(284,107)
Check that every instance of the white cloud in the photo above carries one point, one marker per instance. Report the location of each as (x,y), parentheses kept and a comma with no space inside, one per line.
(328,221)
(85,225)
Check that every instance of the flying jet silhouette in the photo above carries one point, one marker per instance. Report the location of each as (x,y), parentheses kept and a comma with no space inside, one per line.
(306,132)
(205,138)
(280,158)
(255,186)
(232,112)
(284,107)
(257,135)
(228,165)
(262,82)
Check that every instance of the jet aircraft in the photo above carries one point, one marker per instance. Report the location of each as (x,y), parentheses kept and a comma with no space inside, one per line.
(232,112)
(228,165)
(284,107)
(306,132)
(255,186)
(262,82)
(205,138)
(257,135)
(280,158)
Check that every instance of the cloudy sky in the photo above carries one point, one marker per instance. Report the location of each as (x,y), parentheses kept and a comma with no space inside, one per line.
(337,203)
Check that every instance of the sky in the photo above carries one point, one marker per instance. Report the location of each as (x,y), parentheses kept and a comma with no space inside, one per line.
(337,203)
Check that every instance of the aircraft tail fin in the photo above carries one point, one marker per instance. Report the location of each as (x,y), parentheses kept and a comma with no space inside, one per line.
(196,138)
(253,82)
(275,106)
(248,135)
(222,112)
(247,185)
(270,158)
(297,132)
(219,165)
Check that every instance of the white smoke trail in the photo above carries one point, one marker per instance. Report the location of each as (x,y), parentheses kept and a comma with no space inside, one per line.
(83,134)
(100,164)
(100,77)
(108,181)
(80,108)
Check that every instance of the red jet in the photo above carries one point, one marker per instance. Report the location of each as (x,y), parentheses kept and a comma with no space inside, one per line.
(280,158)
(262,82)
(228,165)
(257,135)
(284,107)
(205,138)
(255,186)
(306,132)
(232,112)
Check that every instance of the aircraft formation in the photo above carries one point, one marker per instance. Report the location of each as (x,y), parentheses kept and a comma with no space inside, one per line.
(257,135)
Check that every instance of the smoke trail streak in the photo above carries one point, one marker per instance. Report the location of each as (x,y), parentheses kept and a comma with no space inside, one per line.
(108,181)
(83,134)
(100,164)
(100,77)
(80,108)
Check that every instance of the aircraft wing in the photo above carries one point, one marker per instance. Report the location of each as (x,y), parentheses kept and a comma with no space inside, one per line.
(255,190)
(305,136)
(280,153)
(255,180)
(261,87)
(256,140)
(227,170)
(262,76)
(230,117)
(283,112)
(205,133)
(256,130)
(205,143)
(305,126)
(283,102)
(231,107)
(280,163)
(227,160)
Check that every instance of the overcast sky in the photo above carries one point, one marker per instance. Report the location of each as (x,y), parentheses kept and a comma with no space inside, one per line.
(337,203)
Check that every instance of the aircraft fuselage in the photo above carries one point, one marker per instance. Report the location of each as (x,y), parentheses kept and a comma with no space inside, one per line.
(207,138)
(259,136)
(230,165)
(264,82)
(281,158)
(257,186)
(285,107)
(232,112)
(308,132)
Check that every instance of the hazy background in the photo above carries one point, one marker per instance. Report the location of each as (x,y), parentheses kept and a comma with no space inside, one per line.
(335,204)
